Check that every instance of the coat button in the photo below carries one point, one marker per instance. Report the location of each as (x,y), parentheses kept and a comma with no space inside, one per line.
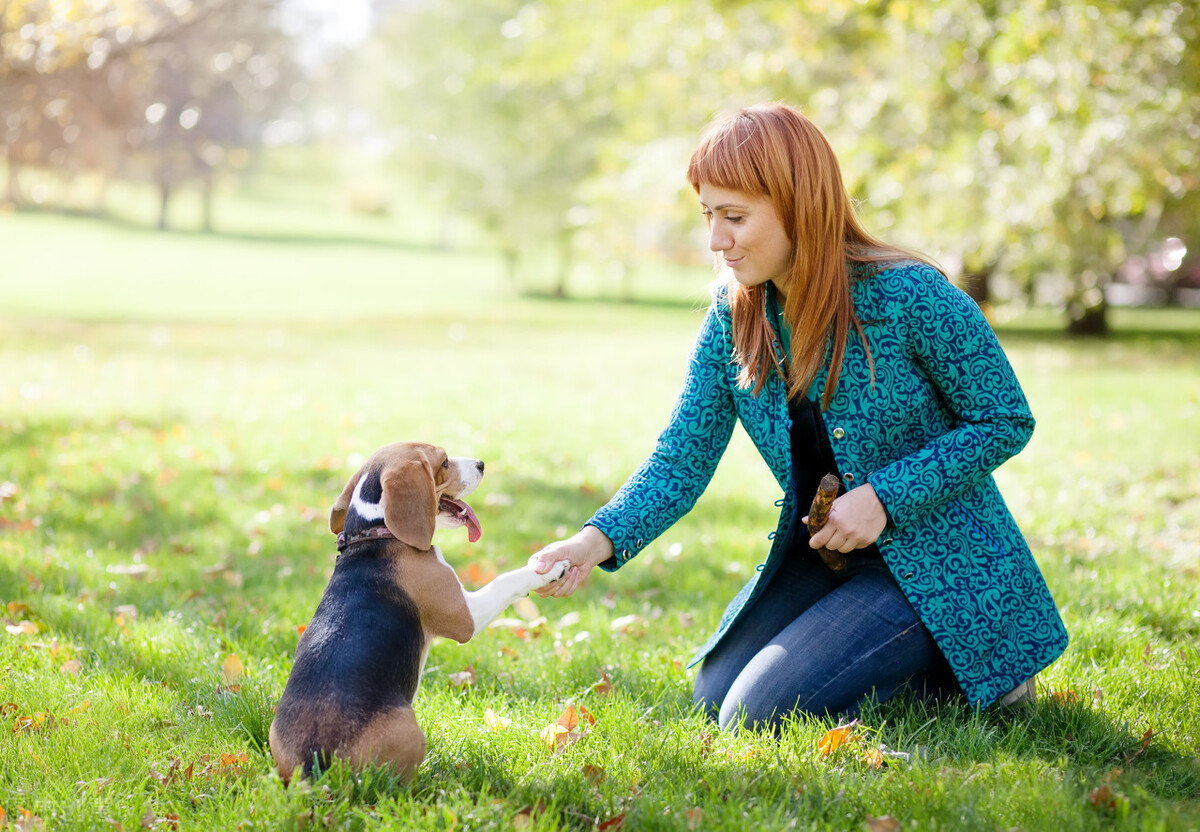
(886,541)
(848,477)
(908,576)
(838,433)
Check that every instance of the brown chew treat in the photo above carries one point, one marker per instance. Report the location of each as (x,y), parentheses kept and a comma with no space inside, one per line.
(819,514)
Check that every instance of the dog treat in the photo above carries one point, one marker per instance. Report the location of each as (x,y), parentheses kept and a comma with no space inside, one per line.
(818,515)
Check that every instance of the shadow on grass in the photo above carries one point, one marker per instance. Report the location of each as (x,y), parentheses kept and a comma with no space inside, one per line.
(299,239)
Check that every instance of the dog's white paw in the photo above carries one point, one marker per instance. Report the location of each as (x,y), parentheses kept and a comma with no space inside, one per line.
(555,572)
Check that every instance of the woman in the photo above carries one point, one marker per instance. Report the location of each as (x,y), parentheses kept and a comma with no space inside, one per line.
(853,355)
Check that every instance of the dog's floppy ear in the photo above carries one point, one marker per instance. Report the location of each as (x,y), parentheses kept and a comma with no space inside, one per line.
(337,514)
(410,501)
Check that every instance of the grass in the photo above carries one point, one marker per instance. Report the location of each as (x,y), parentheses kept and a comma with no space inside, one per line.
(177,412)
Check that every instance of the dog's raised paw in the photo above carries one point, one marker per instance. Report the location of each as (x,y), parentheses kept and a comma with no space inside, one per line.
(557,571)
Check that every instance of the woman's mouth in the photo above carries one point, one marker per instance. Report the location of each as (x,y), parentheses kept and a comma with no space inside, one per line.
(732,262)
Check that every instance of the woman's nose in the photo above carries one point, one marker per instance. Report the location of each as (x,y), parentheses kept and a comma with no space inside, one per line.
(718,240)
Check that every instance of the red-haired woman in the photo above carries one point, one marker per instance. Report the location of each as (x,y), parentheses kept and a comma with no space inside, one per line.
(854,357)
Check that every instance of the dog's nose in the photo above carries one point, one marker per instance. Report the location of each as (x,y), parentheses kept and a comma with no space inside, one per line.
(479,465)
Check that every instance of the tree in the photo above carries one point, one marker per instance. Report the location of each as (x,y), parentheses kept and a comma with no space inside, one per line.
(164,91)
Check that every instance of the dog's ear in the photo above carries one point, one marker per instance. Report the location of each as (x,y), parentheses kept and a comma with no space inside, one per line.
(410,501)
(337,514)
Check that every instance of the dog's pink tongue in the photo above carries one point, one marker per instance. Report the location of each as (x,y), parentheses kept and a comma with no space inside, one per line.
(474,531)
(465,513)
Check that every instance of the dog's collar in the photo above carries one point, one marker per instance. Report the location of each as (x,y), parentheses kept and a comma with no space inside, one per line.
(373,533)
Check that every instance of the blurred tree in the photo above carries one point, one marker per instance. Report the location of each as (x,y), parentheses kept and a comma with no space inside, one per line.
(1029,144)
(166,91)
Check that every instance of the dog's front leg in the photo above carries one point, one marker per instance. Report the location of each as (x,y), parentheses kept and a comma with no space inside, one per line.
(487,602)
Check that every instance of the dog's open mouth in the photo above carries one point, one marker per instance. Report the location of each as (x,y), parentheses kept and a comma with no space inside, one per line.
(464,514)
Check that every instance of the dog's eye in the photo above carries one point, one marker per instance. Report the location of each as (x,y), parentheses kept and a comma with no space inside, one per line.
(446,463)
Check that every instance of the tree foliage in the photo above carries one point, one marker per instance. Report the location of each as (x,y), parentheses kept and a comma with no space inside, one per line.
(164,91)
(1032,142)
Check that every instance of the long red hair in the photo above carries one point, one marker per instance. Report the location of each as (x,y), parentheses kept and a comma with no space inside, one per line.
(773,151)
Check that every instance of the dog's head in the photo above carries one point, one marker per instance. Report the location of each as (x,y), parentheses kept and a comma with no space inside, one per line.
(414,488)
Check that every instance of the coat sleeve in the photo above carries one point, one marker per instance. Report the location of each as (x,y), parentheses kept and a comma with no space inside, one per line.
(954,347)
(670,481)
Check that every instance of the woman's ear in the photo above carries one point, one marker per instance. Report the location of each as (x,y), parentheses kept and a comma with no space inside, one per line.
(410,501)
(337,514)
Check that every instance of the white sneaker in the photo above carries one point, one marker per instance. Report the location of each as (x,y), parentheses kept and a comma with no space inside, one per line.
(1022,693)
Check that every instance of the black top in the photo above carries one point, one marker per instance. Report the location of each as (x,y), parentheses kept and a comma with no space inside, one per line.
(812,459)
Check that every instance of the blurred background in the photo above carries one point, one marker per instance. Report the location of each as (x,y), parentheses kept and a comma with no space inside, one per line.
(1046,153)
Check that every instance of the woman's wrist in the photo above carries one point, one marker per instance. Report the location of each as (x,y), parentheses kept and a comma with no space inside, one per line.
(596,543)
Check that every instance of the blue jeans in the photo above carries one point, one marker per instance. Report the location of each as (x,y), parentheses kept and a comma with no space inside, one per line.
(820,642)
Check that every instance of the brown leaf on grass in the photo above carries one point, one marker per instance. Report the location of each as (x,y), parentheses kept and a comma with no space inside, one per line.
(694,817)
(1146,739)
(88,785)
(887,823)
(464,678)
(613,823)
(22,628)
(232,669)
(16,608)
(562,733)
(27,821)
(509,652)
(836,737)
(526,609)
(1103,797)
(604,686)
(1064,697)
(594,774)
(475,574)
(72,667)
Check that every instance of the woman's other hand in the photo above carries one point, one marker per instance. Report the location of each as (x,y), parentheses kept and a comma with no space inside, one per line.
(585,550)
(855,521)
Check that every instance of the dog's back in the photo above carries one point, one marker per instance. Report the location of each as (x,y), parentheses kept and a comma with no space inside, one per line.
(357,667)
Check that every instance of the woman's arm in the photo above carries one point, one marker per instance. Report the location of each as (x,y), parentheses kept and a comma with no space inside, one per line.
(668,483)
(955,348)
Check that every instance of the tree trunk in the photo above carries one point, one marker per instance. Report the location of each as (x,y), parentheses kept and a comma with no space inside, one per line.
(12,193)
(978,286)
(164,198)
(1087,321)
(207,197)
(566,261)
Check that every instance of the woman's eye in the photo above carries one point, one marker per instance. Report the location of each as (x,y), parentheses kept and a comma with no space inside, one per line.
(734,219)
(706,214)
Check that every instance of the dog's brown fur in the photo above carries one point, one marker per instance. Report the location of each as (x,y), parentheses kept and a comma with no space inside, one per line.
(318,715)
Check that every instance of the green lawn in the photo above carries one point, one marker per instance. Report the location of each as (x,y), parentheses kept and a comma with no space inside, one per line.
(177,412)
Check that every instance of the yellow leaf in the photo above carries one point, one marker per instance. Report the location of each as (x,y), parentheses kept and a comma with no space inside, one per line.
(835,737)
(72,666)
(873,757)
(554,735)
(887,823)
(232,669)
(526,609)
(494,721)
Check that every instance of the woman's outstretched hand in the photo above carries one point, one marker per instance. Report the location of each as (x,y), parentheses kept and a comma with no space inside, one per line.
(587,548)
(855,521)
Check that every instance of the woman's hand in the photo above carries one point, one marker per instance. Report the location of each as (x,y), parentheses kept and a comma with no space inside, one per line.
(855,521)
(586,549)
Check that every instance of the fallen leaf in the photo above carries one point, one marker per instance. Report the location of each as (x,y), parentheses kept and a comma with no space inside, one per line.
(694,818)
(464,678)
(28,821)
(873,758)
(595,774)
(887,823)
(615,822)
(835,737)
(494,721)
(604,686)
(82,707)
(526,609)
(1146,739)
(301,628)
(22,628)
(72,666)
(1103,797)
(232,669)
(1063,697)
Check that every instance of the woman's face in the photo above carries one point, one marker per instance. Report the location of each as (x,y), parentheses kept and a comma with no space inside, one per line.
(748,234)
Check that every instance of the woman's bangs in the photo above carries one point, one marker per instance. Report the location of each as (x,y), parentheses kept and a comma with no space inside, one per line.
(724,160)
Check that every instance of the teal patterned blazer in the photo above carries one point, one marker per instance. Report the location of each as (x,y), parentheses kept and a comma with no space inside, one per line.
(944,412)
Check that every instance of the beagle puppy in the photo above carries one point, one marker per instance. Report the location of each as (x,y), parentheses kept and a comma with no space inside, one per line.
(359,661)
